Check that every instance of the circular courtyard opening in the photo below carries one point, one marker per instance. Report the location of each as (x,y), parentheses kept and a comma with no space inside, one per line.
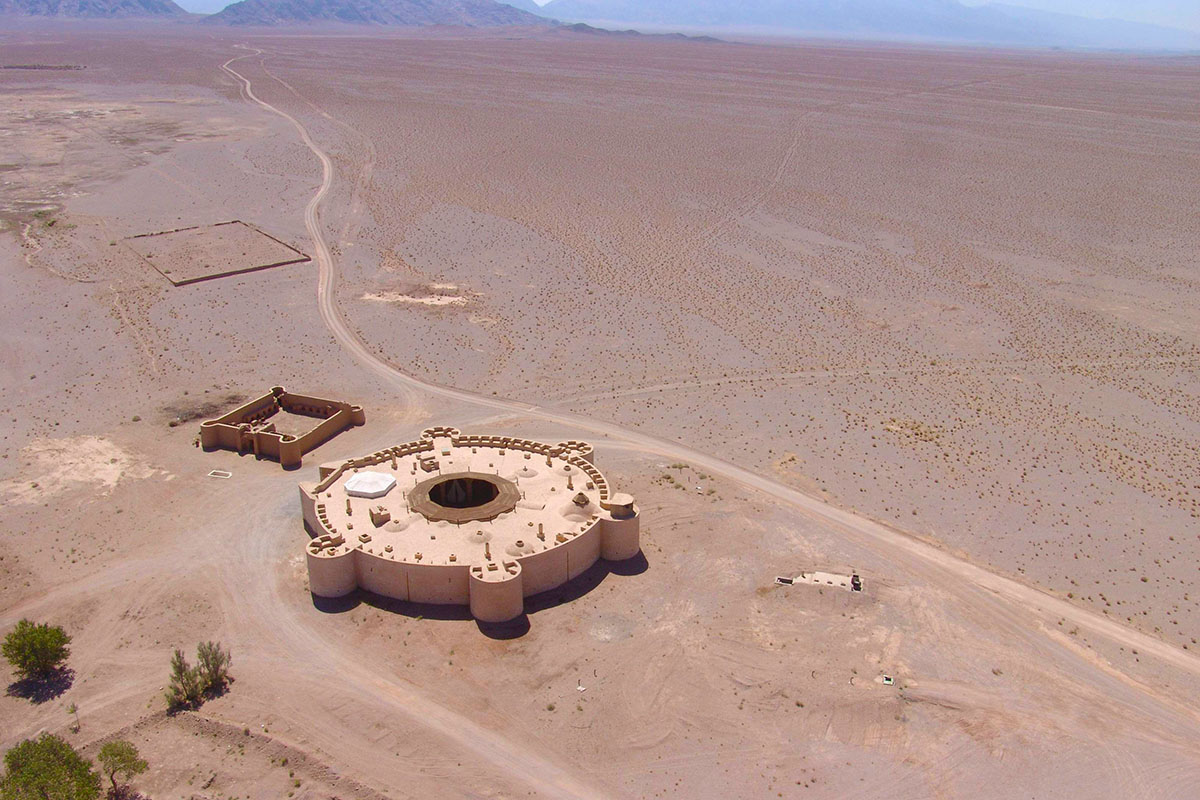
(463,492)
(464,497)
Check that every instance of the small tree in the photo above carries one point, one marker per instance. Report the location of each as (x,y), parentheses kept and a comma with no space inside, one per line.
(119,759)
(213,666)
(35,651)
(184,689)
(47,768)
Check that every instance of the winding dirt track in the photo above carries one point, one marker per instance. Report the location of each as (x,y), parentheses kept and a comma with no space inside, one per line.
(1026,606)
(549,778)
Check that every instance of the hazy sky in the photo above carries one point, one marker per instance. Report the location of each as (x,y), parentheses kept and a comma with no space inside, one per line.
(203,6)
(1171,13)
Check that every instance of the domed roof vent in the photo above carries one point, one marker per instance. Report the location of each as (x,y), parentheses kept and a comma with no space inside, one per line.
(519,548)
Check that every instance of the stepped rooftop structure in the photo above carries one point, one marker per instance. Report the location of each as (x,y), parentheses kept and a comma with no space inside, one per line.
(476,520)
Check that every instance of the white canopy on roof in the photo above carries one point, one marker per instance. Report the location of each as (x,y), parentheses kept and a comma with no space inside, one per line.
(369,484)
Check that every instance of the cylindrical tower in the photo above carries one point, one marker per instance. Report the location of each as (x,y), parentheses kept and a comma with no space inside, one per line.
(620,529)
(496,591)
(330,573)
(210,434)
(290,454)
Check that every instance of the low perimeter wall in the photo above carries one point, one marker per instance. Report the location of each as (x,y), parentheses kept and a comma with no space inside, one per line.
(348,568)
(235,430)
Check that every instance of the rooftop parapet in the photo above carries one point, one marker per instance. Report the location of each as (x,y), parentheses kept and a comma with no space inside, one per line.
(251,427)
(470,511)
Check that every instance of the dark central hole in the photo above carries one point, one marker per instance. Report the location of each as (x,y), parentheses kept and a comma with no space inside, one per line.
(463,493)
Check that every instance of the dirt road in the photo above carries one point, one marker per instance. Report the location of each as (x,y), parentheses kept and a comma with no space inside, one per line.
(549,778)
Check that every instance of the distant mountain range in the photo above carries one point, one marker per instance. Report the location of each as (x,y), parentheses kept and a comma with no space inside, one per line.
(472,13)
(584,29)
(937,20)
(915,20)
(525,5)
(91,9)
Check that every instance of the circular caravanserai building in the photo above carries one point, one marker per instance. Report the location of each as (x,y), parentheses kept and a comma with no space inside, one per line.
(484,521)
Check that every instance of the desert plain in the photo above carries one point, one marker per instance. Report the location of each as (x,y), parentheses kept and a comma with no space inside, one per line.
(927,315)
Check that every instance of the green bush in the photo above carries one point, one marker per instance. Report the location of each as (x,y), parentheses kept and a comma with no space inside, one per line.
(35,651)
(47,768)
(184,690)
(213,667)
(190,685)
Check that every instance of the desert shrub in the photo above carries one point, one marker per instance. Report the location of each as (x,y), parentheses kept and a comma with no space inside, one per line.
(35,651)
(120,759)
(184,690)
(47,768)
(190,685)
(213,667)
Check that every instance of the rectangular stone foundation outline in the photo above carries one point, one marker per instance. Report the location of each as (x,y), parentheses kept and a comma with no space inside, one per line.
(300,258)
(246,428)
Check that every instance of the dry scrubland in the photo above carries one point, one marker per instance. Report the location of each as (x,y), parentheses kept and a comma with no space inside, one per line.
(951,290)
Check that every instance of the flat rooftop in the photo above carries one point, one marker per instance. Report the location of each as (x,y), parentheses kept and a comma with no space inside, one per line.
(530,497)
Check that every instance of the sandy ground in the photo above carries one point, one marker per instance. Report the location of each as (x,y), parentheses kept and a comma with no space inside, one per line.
(926,315)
